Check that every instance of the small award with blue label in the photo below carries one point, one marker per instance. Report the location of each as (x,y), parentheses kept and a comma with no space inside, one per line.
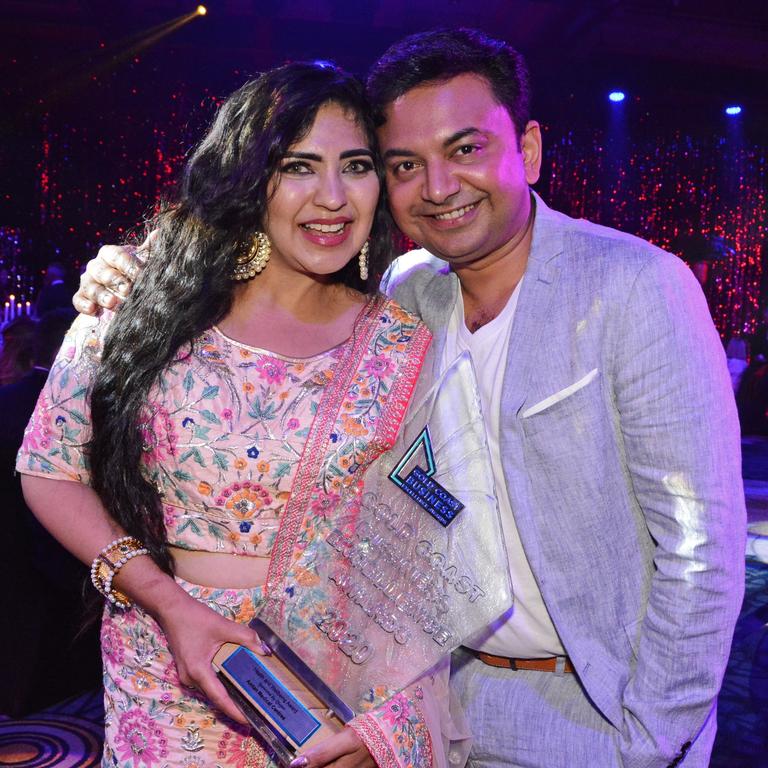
(286,703)
(409,565)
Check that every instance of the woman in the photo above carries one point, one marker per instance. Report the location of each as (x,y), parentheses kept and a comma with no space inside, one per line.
(227,415)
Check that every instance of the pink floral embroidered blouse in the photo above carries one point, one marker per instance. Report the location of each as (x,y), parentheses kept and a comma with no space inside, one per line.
(224,429)
(227,435)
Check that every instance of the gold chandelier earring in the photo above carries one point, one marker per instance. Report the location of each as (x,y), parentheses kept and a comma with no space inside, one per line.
(249,264)
(362,260)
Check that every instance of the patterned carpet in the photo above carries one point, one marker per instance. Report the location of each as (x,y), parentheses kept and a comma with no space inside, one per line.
(742,718)
(66,736)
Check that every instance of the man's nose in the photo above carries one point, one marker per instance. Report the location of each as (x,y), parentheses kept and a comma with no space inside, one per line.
(439,183)
(331,192)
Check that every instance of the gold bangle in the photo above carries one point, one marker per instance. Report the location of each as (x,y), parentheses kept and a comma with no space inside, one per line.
(109,561)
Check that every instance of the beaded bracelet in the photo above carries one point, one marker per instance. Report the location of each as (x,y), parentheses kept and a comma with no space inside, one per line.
(109,561)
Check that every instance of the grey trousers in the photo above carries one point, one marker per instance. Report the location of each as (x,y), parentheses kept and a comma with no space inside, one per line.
(531,719)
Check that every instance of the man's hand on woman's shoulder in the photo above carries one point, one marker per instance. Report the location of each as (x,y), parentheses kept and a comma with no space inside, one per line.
(109,278)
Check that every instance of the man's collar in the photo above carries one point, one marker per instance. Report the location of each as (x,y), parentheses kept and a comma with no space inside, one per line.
(547,240)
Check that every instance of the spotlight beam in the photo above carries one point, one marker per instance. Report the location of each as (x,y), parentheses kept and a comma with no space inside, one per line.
(110,58)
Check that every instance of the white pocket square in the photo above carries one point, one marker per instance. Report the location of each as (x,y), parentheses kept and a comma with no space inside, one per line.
(548,402)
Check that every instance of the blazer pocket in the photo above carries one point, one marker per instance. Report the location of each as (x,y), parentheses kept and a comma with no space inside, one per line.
(632,631)
(548,402)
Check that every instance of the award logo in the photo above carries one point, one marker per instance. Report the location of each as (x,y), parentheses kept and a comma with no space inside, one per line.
(420,484)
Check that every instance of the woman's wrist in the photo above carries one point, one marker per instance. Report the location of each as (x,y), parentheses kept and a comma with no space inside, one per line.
(108,563)
(149,586)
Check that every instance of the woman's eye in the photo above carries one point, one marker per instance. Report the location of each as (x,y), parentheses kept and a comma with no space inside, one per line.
(359,166)
(295,167)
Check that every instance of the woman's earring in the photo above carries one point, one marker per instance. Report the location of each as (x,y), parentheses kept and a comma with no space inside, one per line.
(249,264)
(362,260)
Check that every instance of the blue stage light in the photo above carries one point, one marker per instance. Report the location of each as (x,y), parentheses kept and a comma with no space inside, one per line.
(617,96)
(734,110)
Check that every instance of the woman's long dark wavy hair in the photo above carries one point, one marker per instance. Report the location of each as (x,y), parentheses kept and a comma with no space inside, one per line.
(186,287)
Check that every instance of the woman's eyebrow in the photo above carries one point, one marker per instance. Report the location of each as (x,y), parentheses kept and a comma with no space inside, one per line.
(304,156)
(356,153)
(318,158)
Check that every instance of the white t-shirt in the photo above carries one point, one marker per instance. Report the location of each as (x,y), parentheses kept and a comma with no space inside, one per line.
(526,630)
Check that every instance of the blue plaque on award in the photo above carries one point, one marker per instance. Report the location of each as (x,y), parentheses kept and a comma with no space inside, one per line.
(279,704)
(285,701)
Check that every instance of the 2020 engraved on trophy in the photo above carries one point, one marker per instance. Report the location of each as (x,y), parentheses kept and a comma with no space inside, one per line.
(410,564)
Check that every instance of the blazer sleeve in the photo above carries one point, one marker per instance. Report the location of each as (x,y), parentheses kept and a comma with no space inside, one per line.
(680,431)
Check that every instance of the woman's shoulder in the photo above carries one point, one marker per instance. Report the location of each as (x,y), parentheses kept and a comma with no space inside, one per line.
(85,338)
(396,332)
(395,311)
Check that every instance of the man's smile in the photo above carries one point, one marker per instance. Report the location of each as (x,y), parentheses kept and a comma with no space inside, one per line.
(457,213)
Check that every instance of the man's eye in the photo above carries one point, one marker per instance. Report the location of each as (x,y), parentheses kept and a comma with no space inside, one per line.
(467,149)
(406,166)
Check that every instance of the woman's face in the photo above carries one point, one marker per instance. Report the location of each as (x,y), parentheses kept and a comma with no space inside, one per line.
(323,196)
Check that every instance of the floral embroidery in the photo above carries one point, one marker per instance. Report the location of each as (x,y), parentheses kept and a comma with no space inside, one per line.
(395,733)
(272,370)
(395,711)
(242,752)
(139,739)
(379,366)
(244,500)
(323,502)
(112,643)
(158,434)
(223,434)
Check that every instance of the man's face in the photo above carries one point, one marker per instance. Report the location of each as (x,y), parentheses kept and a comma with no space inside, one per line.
(456,174)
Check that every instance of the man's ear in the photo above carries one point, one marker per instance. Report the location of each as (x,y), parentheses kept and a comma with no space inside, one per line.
(530,146)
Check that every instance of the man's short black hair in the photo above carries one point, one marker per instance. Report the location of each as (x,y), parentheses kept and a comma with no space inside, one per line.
(442,54)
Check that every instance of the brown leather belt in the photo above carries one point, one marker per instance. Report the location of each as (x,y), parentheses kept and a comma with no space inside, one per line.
(559,664)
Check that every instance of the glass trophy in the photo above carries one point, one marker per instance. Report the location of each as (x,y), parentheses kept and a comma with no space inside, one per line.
(411,564)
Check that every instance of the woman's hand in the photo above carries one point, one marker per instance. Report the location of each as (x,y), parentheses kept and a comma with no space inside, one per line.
(195,633)
(342,750)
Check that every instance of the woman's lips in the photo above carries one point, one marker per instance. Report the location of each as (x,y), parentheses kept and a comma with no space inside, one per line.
(326,232)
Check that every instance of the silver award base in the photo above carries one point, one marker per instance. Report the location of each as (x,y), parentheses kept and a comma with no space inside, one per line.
(285,702)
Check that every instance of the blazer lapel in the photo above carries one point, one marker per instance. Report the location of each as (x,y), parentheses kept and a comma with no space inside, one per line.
(533,307)
(443,291)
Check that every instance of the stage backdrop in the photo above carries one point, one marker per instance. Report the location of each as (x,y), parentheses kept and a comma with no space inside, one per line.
(101,165)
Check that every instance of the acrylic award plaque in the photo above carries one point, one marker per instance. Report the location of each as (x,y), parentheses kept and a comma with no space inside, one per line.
(411,563)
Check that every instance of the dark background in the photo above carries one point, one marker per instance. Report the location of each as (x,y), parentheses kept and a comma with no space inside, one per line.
(101,101)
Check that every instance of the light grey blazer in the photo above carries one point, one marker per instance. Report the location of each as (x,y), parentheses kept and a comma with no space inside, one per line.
(621,453)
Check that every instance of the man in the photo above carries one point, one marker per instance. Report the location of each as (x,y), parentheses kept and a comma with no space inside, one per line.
(611,424)
(55,292)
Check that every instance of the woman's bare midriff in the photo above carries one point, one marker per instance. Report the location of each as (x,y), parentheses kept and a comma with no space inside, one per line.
(217,569)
